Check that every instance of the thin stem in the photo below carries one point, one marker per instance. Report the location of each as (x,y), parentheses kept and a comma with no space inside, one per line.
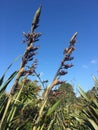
(39,79)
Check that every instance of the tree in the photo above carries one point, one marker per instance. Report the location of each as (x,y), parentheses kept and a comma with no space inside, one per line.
(65,92)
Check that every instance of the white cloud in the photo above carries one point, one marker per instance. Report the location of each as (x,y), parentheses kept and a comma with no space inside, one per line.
(42,74)
(85,66)
(93,61)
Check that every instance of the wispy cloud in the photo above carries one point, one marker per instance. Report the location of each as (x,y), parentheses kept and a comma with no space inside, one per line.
(42,74)
(85,66)
(94,61)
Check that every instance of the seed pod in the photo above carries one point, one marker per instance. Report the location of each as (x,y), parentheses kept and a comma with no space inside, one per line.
(62,72)
(57,82)
(66,66)
(73,39)
(36,19)
(68,58)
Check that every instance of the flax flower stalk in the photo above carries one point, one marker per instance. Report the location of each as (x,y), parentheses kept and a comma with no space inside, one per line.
(27,56)
(67,53)
(30,39)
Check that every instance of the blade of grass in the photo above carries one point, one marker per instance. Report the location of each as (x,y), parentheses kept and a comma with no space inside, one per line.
(53,108)
(83,94)
(3,87)
(95,126)
(13,110)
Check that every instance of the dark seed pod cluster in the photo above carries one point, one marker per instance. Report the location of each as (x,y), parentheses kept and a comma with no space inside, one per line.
(67,56)
(62,70)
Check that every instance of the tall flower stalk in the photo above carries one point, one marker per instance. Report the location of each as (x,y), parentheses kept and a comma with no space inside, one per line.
(30,52)
(62,70)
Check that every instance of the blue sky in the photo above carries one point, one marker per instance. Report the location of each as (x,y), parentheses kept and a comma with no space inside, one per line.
(59,20)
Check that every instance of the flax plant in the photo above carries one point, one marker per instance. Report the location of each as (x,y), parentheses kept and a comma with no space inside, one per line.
(24,109)
(24,71)
(56,80)
(28,55)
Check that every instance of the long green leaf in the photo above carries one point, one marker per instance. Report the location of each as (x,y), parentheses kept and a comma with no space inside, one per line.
(14,108)
(95,110)
(83,94)
(53,108)
(2,78)
(96,81)
(4,86)
(95,126)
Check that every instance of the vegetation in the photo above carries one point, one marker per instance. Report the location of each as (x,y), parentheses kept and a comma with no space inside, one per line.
(32,105)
